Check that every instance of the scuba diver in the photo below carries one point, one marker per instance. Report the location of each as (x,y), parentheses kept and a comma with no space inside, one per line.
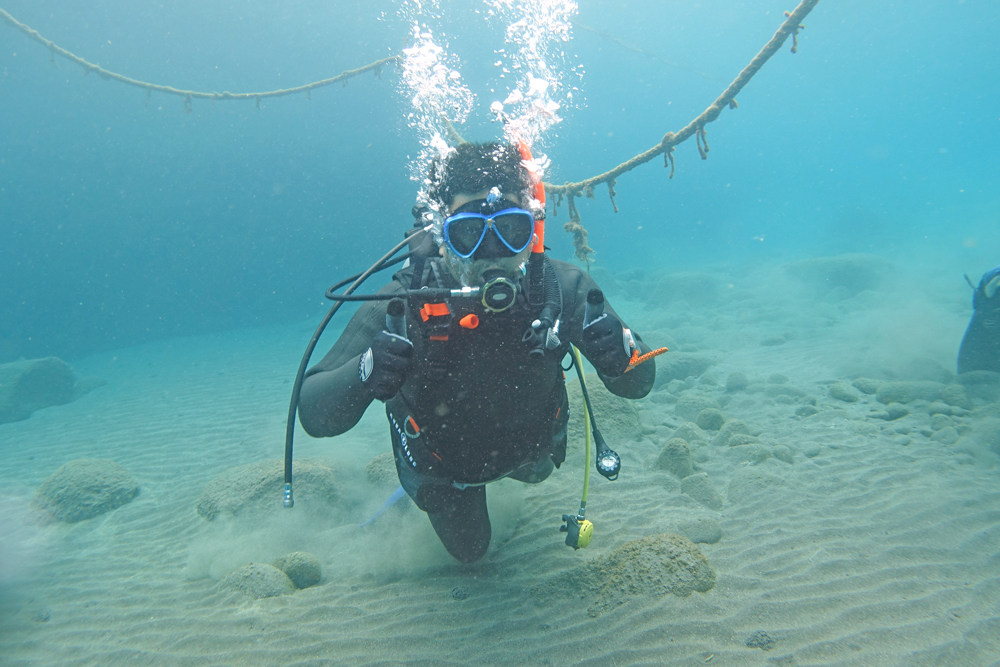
(980,350)
(474,390)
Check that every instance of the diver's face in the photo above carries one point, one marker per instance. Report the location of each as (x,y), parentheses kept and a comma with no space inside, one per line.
(491,254)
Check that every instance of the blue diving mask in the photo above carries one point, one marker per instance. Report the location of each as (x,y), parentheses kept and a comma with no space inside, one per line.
(465,232)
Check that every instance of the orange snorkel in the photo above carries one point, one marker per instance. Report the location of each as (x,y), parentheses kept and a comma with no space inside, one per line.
(538,190)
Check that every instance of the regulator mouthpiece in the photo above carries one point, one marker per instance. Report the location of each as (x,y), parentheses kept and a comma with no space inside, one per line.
(499,292)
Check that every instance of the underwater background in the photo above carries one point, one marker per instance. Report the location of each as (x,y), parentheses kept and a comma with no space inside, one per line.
(125,222)
(809,482)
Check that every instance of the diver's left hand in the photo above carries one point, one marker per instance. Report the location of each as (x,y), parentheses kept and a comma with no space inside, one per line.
(604,345)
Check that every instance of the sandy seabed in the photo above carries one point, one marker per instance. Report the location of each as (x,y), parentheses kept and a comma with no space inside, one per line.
(878,544)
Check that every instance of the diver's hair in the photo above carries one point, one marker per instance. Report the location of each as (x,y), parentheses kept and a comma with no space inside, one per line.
(471,168)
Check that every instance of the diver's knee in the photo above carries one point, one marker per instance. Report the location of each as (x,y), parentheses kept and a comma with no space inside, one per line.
(533,473)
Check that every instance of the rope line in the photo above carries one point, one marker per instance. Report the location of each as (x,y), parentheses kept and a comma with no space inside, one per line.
(696,128)
(188,95)
(568,191)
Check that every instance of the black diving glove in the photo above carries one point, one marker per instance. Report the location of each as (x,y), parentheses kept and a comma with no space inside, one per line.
(604,345)
(385,365)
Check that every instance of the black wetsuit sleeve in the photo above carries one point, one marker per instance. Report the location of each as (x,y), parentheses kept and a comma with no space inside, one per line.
(333,397)
(638,382)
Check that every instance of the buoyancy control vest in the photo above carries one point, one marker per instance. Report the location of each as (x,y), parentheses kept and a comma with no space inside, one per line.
(487,393)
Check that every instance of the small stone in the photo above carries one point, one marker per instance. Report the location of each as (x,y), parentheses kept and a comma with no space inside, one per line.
(301,567)
(947,436)
(783,453)
(620,421)
(381,469)
(739,439)
(662,433)
(84,488)
(806,411)
(32,384)
(761,640)
(778,378)
(257,580)
(730,428)
(866,385)
(896,411)
(708,379)
(938,408)
(700,488)
(675,457)
(749,483)
(904,392)
(844,392)
(812,451)
(787,390)
(689,431)
(710,419)
(703,530)
(954,394)
(748,454)
(940,421)
(250,490)
(681,366)
(676,386)
(459,593)
(689,405)
(646,568)
(660,397)
(737,381)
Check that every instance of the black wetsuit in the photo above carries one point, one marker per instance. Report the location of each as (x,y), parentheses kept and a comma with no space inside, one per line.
(480,407)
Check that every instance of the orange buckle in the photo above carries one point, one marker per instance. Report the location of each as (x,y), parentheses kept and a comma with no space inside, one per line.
(434,310)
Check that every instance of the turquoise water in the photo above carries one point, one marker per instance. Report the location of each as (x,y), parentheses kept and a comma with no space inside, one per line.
(182,258)
(124,223)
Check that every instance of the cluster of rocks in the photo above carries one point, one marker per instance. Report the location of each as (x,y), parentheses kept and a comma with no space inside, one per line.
(686,446)
(938,407)
(284,576)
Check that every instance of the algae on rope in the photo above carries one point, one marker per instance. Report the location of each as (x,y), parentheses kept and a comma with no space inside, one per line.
(570,190)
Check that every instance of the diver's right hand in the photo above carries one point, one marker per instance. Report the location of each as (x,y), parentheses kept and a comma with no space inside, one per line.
(385,365)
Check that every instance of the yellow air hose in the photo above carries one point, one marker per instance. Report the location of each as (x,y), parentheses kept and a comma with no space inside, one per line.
(578,529)
(586,437)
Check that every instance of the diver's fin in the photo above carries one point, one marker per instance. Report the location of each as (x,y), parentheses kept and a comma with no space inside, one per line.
(991,287)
